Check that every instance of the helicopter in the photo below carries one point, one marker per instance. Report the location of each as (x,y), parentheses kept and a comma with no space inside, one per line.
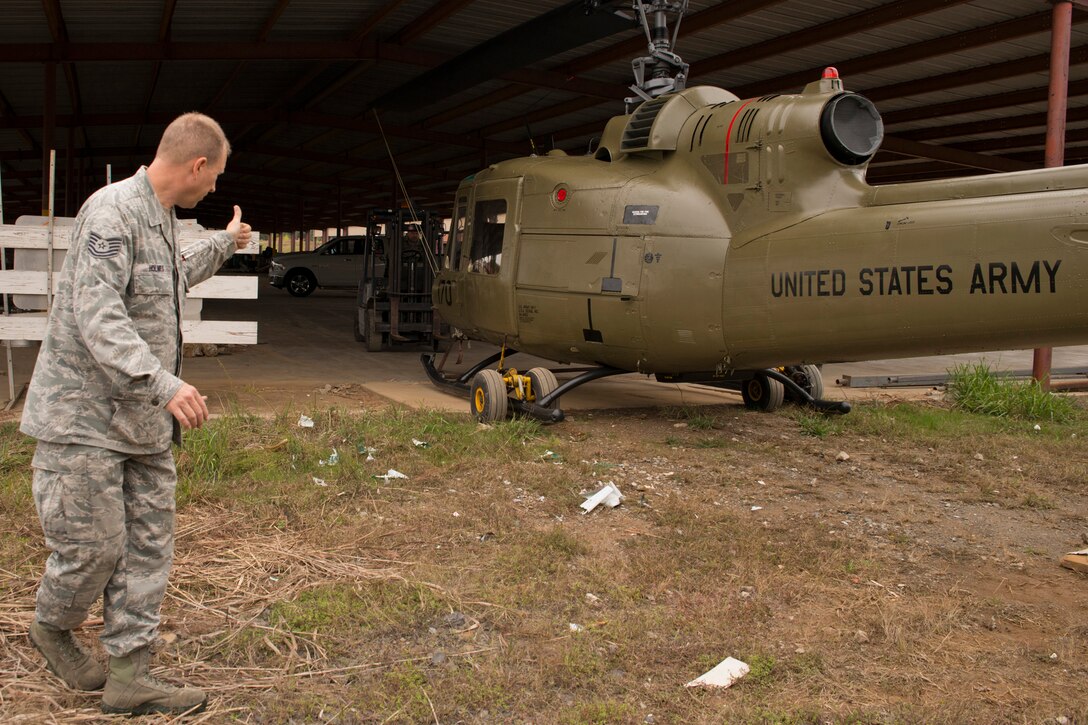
(736,243)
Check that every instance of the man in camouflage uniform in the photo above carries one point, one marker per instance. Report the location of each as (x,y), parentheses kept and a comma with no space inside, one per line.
(105,401)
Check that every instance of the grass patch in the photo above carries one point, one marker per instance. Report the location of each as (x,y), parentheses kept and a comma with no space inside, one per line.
(391,607)
(245,458)
(817,425)
(16,451)
(696,417)
(975,388)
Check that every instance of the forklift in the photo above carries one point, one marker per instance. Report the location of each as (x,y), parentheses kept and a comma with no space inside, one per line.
(393,305)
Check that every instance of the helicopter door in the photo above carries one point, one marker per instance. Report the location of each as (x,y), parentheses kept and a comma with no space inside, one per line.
(580,293)
(490,261)
(446,292)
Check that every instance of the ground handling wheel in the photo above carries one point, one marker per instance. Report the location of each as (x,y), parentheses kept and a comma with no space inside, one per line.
(762,393)
(542,382)
(808,378)
(487,397)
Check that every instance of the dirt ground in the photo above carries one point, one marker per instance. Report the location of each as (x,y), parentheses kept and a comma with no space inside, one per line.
(890,576)
(867,576)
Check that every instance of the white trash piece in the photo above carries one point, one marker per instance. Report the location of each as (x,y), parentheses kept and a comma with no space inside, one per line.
(304,421)
(610,496)
(391,474)
(724,674)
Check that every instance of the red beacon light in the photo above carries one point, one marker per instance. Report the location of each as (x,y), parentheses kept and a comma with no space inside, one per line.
(560,196)
(829,82)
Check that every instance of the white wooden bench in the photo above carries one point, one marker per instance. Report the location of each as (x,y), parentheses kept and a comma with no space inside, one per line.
(28,282)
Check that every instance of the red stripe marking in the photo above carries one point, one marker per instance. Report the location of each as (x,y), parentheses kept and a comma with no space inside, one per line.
(728,136)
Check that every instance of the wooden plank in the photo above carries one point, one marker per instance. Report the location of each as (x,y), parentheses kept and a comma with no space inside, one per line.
(219,287)
(22,327)
(20,236)
(224,287)
(220,332)
(23,237)
(1076,562)
(14,282)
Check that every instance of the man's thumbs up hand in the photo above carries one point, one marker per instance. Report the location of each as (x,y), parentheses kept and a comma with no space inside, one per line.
(238,229)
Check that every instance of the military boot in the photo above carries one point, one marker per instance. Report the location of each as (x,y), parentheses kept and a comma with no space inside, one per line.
(66,657)
(131,689)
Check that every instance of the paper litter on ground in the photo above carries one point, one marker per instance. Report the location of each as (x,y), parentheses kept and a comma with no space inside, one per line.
(610,496)
(724,674)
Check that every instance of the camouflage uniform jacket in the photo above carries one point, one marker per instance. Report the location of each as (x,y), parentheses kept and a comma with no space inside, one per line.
(111,358)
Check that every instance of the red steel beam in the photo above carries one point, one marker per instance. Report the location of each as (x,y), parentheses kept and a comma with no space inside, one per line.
(1061,31)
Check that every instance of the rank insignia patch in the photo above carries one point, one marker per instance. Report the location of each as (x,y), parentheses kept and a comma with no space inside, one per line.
(103,247)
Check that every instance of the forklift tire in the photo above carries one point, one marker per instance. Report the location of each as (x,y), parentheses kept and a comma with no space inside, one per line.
(373,337)
(488,401)
(356,330)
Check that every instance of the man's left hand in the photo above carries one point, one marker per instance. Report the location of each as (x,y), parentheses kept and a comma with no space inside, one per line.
(238,229)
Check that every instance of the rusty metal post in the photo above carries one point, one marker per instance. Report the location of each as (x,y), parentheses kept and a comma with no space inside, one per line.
(1057,101)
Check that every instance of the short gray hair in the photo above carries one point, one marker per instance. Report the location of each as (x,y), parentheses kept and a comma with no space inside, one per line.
(190,136)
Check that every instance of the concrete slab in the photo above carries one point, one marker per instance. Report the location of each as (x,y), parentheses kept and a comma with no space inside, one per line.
(304,344)
(622,391)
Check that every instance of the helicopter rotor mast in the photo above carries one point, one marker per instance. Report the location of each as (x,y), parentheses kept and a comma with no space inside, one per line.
(662,71)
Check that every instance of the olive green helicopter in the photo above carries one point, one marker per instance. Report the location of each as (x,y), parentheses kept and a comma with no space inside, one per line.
(735,243)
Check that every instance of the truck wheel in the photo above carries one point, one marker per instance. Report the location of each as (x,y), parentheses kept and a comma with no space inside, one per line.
(762,393)
(488,400)
(301,282)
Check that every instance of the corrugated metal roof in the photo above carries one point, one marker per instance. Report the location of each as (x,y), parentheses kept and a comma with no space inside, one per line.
(296,90)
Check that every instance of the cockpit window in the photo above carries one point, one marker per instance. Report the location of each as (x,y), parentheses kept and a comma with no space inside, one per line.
(488,222)
(344,245)
(457,235)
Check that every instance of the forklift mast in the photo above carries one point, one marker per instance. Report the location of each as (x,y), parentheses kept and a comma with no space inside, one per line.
(394,298)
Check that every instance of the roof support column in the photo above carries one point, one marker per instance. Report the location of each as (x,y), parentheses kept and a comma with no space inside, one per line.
(1057,102)
(49,124)
(68,171)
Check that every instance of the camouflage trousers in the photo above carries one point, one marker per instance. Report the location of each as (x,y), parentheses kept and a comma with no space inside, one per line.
(108,518)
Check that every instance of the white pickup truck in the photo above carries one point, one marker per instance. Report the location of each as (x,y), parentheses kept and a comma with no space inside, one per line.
(336,263)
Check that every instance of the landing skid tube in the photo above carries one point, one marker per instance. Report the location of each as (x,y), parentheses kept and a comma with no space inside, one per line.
(462,382)
(766,390)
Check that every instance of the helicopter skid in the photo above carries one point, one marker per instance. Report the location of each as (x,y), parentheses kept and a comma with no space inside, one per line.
(760,393)
(761,389)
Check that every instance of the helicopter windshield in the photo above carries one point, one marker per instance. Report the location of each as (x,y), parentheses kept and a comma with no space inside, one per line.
(485,254)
